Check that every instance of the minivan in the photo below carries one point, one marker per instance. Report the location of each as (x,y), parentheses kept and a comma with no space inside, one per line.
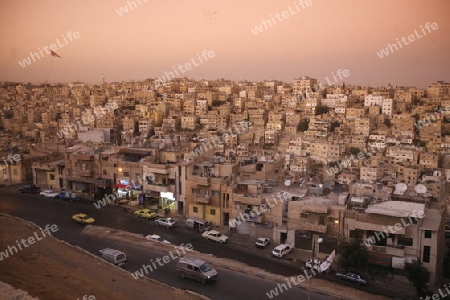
(198,224)
(197,269)
(113,256)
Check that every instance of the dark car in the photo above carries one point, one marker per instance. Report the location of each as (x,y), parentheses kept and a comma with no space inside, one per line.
(30,189)
(65,195)
(351,276)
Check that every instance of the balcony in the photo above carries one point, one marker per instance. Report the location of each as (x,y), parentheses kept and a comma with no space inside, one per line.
(249,199)
(81,156)
(162,169)
(394,250)
(306,226)
(199,179)
(202,199)
(155,187)
(85,173)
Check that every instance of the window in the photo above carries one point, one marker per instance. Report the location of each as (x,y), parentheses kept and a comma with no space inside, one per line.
(195,191)
(215,193)
(401,240)
(428,234)
(426,254)
(126,174)
(304,215)
(104,172)
(195,209)
(321,220)
(212,212)
(52,176)
(15,171)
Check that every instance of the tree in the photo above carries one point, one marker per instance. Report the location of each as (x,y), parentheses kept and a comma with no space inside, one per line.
(355,151)
(388,123)
(322,109)
(334,125)
(352,255)
(417,274)
(303,125)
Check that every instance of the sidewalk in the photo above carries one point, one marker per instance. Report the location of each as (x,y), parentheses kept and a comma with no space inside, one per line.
(398,286)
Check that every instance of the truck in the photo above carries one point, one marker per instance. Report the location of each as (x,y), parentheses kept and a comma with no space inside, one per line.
(66,195)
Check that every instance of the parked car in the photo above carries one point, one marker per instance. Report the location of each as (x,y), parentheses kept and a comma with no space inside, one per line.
(262,242)
(145,213)
(198,224)
(82,219)
(158,238)
(351,276)
(65,195)
(113,256)
(167,222)
(32,189)
(214,235)
(49,194)
(315,266)
(197,269)
(282,250)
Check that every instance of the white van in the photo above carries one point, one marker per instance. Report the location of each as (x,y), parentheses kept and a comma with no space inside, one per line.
(198,224)
(113,256)
(197,269)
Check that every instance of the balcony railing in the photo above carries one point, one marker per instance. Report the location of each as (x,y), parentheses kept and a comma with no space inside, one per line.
(202,199)
(158,168)
(199,179)
(84,173)
(249,199)
(307,226)
(154,187)
(390,250)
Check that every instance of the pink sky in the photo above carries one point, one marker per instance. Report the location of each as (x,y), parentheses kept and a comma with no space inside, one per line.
(158,34)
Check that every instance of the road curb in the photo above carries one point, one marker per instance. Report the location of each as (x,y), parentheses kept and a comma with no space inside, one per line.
(333,290)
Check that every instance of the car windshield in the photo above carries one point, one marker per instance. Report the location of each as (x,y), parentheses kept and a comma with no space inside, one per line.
(276,250)
(205,267)
(120,256)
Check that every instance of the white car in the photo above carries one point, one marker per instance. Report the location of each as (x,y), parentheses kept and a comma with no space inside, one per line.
(49,194)
(262,242)
(167,222)
(282,250)
(158,238)
(214,235)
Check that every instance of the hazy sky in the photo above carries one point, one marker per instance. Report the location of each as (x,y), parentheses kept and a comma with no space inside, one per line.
(150,39)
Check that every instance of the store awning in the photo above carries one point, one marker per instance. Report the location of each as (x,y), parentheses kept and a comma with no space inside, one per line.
(122,186)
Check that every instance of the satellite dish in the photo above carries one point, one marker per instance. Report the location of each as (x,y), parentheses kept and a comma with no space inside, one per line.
(401,187)
(287,182)
(420,189)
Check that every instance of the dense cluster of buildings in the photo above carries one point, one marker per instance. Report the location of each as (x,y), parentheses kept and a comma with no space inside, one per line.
(336,162)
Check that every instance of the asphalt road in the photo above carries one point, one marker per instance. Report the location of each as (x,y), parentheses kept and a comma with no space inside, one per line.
(230,285)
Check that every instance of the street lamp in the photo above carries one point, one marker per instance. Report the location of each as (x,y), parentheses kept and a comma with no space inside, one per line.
(319,240)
